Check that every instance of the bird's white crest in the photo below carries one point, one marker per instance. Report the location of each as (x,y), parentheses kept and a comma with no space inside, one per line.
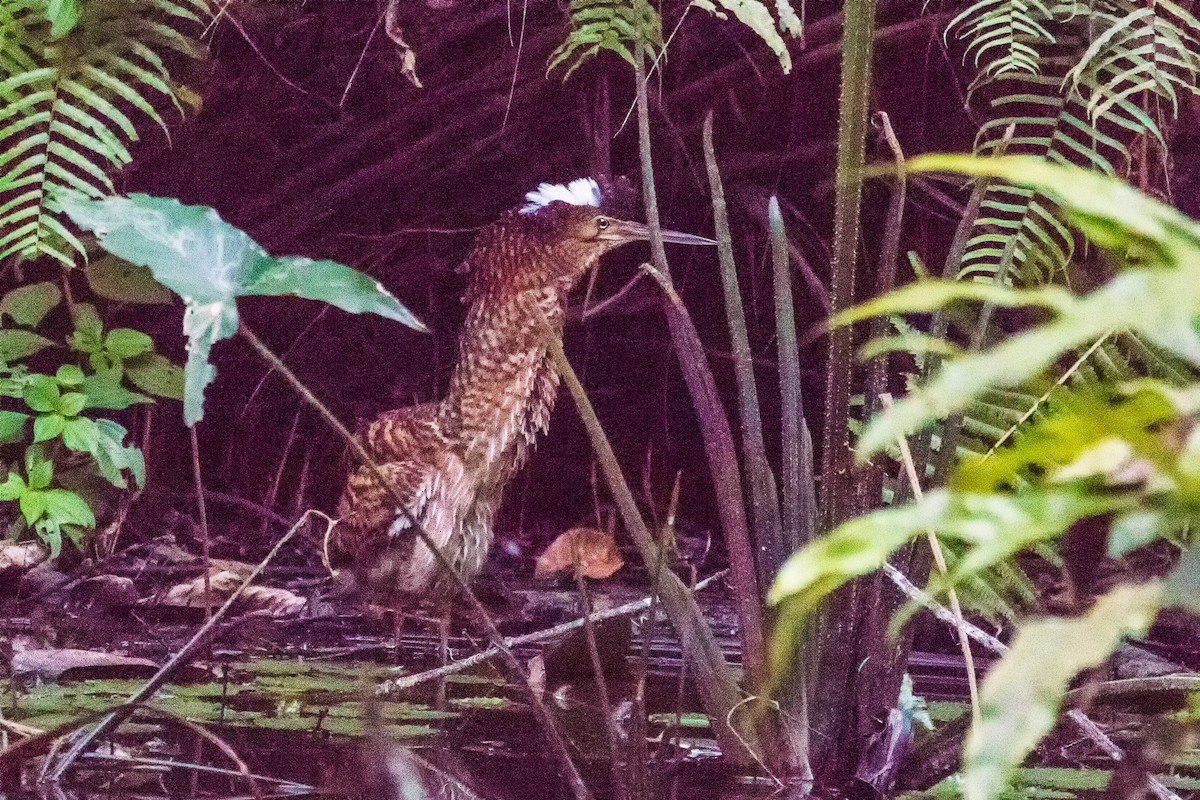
(579,192)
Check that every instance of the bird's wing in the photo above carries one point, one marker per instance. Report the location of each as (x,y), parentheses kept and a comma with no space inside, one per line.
(415,458)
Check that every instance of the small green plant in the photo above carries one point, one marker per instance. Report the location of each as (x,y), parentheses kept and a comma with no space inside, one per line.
(1124,453)
(55,423)
(210,264)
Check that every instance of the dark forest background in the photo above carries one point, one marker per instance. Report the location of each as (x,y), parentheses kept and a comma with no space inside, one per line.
(312,139)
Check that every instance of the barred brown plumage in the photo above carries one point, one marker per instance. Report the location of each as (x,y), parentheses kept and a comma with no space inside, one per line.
(451,460)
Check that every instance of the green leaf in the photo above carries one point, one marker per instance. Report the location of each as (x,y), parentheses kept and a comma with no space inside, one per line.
(68,508)
(209,263)
(50,533)
(336,284)
(114,279)
(13,487)
(156,374)
(28,305)
(89,330)
(757,17)
(1182,588)
(47,427)
(204,325)
(1021,696)
(71,403)
(104,390)
(16,345)
(113,458)
(993,526)
(69,375)
(39,468)
(33,505)
(126,343)
(189,249)
(81,435)
(63,15)
(41,393)
(1154,297)
(12,426)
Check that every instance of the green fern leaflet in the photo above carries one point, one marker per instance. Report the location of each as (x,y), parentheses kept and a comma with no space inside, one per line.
(76,80)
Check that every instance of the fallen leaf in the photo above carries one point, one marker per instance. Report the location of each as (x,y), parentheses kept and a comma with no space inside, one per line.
(588,552)
(223,580)
(25,555)
(106,592)
(68,664)
(191,594)
(276,601)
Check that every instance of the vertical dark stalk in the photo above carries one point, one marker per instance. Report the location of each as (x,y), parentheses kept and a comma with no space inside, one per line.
(799,509)
(871,484)
(723,468)
(859,672)
(715,681)
(615,748)
(718,438)
(836,457)
(200,505)
(760,480)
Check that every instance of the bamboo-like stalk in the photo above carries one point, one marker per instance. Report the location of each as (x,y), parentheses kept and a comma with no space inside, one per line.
(759,478)
(836,456)
(857,676)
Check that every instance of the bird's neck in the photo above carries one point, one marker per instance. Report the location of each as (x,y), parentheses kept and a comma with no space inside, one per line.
(504,383)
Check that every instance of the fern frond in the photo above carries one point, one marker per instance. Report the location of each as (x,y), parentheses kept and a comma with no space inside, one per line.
(618,26)
(1143,50)
(1003,36)
(70,105)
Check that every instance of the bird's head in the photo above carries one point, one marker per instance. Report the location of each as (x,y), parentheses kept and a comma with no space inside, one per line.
(563,230)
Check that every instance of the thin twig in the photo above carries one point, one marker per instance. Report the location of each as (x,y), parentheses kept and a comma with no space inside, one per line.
(621,788)
(513,642)
(204,545)
(512,89)
(939,558)
(292,787)
(120,714)
(361,57)
(927,601)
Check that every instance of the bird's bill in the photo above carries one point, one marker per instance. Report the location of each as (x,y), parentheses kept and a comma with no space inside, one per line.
(623,231)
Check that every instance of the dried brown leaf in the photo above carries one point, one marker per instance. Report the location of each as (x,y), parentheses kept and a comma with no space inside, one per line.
(276,601)
(588,552)
(191,594)
(223,580)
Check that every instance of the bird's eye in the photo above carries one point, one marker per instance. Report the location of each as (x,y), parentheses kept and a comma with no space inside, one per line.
(602,223)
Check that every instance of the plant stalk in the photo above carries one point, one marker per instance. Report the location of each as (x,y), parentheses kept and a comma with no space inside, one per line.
(760,480)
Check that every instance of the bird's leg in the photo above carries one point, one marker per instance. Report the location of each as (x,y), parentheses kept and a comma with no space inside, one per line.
(398,620)
(443,620)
